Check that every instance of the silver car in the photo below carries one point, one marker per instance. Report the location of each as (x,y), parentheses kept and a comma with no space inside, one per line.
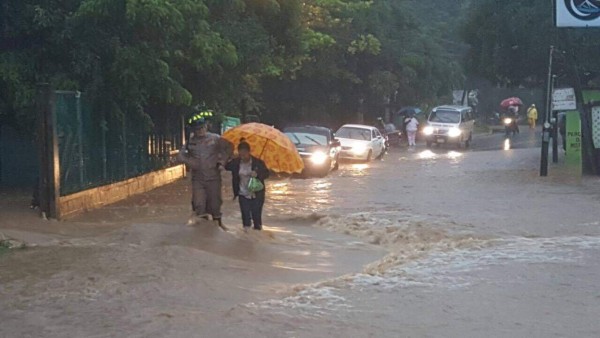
(450,124)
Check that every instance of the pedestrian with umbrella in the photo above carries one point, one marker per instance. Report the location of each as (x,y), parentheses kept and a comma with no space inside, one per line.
(269,145)
(511,107)
(248,175)
(260,148)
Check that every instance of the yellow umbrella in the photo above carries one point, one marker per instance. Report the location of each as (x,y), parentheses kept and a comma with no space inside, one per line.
(269,145)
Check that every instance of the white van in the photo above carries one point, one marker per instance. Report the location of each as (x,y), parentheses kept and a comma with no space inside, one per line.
(450,124)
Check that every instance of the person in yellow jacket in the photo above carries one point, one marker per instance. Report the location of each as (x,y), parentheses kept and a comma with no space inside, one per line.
(532,116)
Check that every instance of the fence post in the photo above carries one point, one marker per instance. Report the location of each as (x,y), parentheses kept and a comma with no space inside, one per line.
(80,138)
(124,149)
(49,175)
(104,128)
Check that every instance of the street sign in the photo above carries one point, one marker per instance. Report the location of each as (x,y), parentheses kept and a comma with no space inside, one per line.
(577,13)
(229,122)
(457,97)
(573,139)
(563,99)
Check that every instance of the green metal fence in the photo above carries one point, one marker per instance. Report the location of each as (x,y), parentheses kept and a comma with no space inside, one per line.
(96,148)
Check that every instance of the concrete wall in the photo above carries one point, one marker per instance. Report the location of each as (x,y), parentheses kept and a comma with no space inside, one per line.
(80,202)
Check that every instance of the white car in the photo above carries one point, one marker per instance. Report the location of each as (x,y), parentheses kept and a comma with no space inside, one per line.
(360,142)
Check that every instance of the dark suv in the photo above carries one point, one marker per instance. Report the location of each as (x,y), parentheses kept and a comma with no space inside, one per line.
(318,148)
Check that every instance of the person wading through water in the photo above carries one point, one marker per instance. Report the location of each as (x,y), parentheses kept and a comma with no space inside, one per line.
(243,169)
(205,153)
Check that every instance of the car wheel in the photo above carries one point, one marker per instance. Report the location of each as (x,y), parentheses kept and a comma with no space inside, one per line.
(380,157)
(369,156)
(326,169)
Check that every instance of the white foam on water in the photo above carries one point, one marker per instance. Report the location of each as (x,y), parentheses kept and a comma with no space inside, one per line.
(388,228)
(310,302)
(454,269)
(588,224)
(406,236)
(440,268)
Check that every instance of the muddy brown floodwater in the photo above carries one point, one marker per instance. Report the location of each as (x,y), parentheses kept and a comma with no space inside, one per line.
(426,243)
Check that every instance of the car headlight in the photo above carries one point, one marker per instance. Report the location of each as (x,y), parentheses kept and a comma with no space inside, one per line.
(428,130)
(359,149)
(318,157)
(507,121)
(454,132)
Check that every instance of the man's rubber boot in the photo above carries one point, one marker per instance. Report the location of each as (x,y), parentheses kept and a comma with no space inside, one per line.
(220,223)
(193,219)
(196,218)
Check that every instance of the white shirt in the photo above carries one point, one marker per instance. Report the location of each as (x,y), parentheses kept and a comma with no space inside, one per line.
(412,124)
(245,175)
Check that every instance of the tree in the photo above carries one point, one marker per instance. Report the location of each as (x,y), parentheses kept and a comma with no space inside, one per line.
(363,52)
(32,46)
(509,43)
(288,59)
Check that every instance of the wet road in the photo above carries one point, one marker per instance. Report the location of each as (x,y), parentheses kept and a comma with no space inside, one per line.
(440,242)
(479,245)
(527,138)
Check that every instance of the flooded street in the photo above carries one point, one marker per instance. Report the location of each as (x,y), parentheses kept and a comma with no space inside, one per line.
(425,243)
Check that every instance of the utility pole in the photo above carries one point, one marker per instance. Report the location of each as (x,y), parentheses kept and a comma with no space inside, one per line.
(546,126)
(554,129)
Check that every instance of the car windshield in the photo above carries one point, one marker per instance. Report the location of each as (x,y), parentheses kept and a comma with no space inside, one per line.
(445,116)
(307,138)
(354,133)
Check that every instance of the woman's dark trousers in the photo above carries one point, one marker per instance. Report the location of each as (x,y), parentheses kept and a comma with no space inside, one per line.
(251,211)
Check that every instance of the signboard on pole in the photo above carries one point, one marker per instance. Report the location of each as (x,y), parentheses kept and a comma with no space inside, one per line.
(563,99)
(573,139)
(577,13)
(229,122)
(457,97)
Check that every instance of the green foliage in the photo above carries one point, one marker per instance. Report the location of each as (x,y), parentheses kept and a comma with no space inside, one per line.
(368,44)
(316,40)
(509,43)
(371,52)
(286,59)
